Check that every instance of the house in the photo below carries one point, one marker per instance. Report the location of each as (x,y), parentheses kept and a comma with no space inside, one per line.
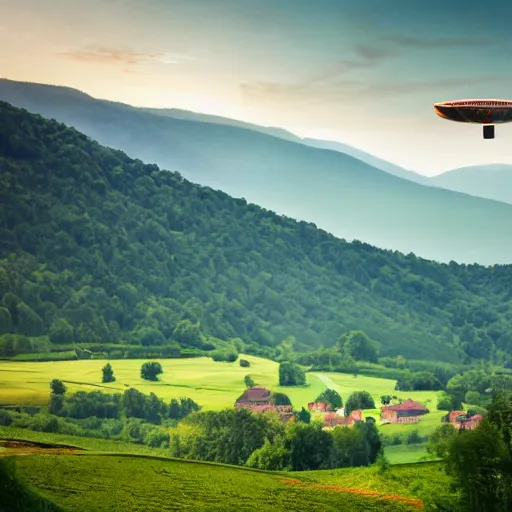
(319,407)
(461,420)
(331,419)
(406,412)
(471,422)
(254,397)
(259,399)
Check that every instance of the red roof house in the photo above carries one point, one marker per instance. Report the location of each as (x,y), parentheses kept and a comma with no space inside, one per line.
(260,400)
(332,419)
(253,397)
(319,406)
(408,411)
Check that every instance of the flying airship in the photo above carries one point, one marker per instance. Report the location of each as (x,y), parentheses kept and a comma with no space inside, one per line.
(485,112)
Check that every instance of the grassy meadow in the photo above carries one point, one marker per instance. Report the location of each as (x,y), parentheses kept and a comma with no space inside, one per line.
(214,385)
(97,483)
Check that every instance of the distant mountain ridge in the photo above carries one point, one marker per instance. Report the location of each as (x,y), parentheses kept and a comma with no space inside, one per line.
(339,193)
(493,181)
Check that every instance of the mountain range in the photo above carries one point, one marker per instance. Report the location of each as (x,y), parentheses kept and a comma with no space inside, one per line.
(492,181)
(348,196)
(100,248)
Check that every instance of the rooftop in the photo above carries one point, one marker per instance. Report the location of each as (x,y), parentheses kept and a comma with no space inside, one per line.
(255,394)
(408,405)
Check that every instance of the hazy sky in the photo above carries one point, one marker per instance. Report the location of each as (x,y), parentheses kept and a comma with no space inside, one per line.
(364,72)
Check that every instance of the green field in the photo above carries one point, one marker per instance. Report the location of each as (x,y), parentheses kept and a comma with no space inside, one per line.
(100,480)
(91,483)
(214,385)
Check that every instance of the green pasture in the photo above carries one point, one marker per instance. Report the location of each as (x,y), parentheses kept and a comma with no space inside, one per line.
(214,385)
(407,453)
(110,483)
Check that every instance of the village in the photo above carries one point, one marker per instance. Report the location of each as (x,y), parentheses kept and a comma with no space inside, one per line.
(260,399)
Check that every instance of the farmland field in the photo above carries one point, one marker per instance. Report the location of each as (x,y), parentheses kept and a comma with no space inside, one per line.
(214,385)
(117,483)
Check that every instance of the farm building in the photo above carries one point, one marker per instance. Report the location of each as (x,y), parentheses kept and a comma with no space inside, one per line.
(461,420)
(260,400)
(406,412)
(318,407)
(471,422)
(332,419)
(255,396)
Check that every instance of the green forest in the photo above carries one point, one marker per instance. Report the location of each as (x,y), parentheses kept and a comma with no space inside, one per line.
(100,250)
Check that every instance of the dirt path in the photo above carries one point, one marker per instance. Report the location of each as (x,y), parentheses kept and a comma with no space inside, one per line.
(362,492)
(9,447)
(326,380)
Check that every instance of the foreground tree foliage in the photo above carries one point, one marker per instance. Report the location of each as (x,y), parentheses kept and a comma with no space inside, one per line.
(262,440)
(480,460)
(99,248)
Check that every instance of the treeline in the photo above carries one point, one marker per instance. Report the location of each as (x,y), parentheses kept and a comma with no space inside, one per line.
(129,416)
(262,440)
(97,248)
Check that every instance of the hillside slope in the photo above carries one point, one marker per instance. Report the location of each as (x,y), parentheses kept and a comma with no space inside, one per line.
(372,160)
(339,193)
(107,248)
(492,181)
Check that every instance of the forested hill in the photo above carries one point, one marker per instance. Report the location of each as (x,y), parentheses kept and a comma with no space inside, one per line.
(340,193)
(98,247)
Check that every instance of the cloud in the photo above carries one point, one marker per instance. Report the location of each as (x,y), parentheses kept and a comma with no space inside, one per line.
(102,55)
(438,42)
(344,91)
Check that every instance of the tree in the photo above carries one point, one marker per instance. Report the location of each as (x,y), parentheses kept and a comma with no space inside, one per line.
(61,331)
(108,373)
(385,399)
(57,387)
(359,400)
(151,370)
(331,397)
(291,374)
(281,399)
(249,383)
(480,460)
(244,363)
(441,439)
(304,416)
(359,346)
(271,456)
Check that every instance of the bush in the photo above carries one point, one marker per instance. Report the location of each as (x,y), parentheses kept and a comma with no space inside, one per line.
(291,374)
(244,363)
(359,400)
(151,370)
(226,355)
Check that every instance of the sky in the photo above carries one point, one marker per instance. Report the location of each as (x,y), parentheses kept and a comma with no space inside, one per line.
(362,72)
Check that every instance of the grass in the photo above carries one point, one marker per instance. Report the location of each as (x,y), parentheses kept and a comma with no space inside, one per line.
(406,453)
(87,443)
(214,385)
(409,480)
(96,483)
